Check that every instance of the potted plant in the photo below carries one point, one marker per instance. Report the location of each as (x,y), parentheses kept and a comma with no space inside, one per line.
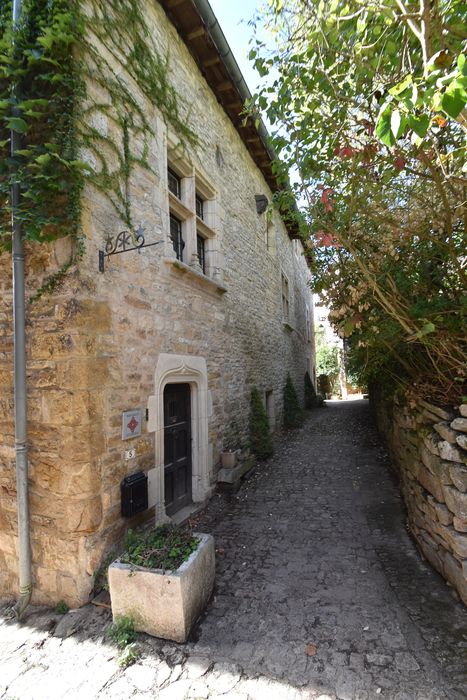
(163,581)
(231,454)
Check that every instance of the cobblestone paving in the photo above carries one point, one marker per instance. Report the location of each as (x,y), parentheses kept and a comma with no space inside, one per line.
(320,593)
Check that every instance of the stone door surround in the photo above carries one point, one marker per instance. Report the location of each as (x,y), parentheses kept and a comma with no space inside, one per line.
(178,369)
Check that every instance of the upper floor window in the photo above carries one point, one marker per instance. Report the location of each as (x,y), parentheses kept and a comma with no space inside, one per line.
(199,202)
(176,236)
(201,249)
(175,183)
(194,217)
(285,297)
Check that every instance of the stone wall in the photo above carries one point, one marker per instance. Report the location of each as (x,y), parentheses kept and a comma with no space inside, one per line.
(94,342)
(428,444)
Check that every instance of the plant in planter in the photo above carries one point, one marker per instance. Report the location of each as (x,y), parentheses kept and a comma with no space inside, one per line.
(163,580)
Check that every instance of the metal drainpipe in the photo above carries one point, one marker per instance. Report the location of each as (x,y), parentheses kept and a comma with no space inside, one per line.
(24,547)
(217,35)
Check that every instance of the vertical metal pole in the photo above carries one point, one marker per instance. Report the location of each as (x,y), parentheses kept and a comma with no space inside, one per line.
(24,546)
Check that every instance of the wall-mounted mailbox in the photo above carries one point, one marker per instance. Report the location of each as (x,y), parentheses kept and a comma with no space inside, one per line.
(134,494)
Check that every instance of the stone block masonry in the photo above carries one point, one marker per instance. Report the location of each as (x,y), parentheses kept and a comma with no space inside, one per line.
(428,445)
(94,342)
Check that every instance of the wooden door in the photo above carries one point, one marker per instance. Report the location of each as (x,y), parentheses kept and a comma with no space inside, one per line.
(177,447)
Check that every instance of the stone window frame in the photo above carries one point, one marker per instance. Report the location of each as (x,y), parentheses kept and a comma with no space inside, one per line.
(195,184)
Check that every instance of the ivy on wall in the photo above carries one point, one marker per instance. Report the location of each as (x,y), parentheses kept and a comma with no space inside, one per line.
(40,69)
(76,84)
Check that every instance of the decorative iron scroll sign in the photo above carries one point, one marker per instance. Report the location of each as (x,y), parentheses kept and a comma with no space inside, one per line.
(123,242)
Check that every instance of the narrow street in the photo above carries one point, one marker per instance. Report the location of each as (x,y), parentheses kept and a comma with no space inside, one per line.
(320,592)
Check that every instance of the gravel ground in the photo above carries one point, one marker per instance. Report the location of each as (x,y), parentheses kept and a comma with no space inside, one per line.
(320,593)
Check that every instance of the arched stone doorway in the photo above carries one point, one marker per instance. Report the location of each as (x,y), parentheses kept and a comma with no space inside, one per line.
(181,369)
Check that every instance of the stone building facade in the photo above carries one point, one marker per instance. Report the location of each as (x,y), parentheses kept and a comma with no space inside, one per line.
(227,310)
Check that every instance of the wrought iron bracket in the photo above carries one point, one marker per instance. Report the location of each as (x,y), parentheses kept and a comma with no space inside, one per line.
(123,242)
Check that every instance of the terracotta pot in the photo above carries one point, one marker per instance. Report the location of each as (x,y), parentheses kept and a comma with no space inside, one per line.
(228,460)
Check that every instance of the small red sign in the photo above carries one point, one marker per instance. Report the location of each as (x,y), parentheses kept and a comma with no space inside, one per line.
(133,424)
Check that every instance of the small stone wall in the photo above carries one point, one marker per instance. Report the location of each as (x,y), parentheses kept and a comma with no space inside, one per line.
(428,445)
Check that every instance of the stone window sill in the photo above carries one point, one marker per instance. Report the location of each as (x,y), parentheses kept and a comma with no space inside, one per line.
(183,269)
(203,228)
(179,208)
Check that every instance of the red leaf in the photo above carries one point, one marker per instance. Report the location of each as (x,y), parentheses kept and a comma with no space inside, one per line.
(326,239)
(346,152)
(399,163)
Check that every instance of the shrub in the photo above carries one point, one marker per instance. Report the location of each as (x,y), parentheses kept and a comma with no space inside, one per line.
(61,608)
(293,414)
(311,399)
(122,631)
(260,434)
(129,656)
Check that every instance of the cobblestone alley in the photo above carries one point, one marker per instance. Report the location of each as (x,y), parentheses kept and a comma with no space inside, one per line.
(320,593)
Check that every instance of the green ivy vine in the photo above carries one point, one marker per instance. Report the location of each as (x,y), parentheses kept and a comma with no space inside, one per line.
(71,84)
(41,68)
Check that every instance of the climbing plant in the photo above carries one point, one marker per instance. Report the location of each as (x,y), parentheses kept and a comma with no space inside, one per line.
(367,103)
(76,79)
(39,91)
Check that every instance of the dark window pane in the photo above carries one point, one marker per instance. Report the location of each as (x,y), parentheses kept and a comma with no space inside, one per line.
(174,183)
(201,252)
(199,207)
(176,236)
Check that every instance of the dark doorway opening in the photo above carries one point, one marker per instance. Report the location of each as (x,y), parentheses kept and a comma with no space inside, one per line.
(177,447)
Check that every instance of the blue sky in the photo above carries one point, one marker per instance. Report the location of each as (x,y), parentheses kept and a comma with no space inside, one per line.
(233,16)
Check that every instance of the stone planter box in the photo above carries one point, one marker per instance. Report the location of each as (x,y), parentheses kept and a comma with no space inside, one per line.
(164,604)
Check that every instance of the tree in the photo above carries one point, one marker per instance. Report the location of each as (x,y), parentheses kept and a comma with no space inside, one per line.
(293,414)
(311,398)
(367,103)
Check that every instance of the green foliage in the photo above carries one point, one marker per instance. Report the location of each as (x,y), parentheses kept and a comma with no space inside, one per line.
(119,43)
(61,607)
(327,361)
(260,433)
(69,84)
(293,414)
(122,631)
(368,106)
(129,656)
(39,92)
(165,547)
